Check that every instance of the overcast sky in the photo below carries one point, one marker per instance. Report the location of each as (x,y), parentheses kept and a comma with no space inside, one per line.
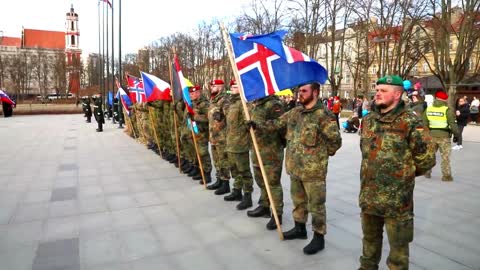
(143,21)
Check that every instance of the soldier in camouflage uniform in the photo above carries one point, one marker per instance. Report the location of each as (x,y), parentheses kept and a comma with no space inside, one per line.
(312,136)
(271,146)
(200,108)
(441,122)
(395,148)
(169,148)
(217,132)
(142,123)
(238,146)
(156,113)
(186,143)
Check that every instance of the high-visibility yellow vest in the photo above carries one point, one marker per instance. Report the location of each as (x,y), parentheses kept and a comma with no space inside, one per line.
(437,117)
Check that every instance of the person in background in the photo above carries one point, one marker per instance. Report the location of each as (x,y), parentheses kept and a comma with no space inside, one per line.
(336,109)
(440,119)
(462,114)
(474,108)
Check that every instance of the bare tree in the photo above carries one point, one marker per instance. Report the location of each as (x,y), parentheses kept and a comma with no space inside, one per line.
(446,26)
(261,17)
(59,71)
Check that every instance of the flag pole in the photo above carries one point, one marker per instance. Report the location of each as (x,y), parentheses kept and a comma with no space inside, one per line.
(195,144)
(133,112)
(252,132)
(150,111)
(120,122)
(198,154)
(113,63)
(99,61)
(107,64)
(177,139)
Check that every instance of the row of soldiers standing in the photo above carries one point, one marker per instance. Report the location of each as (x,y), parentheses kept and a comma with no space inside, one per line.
(221,122)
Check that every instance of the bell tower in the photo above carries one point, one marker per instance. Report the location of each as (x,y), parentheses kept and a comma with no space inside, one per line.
(72,51)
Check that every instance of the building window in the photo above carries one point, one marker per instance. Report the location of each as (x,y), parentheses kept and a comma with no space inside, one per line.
(73,28)
(72,38)
(374,70)
(347,78)
(425,67)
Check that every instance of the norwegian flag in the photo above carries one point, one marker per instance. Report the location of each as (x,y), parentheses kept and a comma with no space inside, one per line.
(267,66)
(135,88)
(5,98)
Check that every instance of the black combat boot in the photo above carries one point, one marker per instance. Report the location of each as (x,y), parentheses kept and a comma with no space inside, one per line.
(260,211)
(298,232)
(185,165)
(271,225)
(208,178)
(317,244)
(215,185)
(194,171)
(246,201)
(224,188)
(236,195)
(172,158)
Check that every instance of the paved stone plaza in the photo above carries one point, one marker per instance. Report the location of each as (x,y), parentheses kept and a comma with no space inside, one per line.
(72,198)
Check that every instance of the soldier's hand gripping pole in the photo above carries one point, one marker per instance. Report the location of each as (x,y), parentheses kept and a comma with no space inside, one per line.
(198,156)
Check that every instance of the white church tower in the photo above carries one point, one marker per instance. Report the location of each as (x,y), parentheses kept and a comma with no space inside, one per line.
(72,51)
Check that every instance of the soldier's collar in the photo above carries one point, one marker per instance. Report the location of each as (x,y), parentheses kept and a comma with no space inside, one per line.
(391,115)
(317,106)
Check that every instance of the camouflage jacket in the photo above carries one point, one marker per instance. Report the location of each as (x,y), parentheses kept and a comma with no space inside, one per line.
(312,135)
(395,148)
(238,139)
(270,143)
(179,111)
(200,108)
(217,128)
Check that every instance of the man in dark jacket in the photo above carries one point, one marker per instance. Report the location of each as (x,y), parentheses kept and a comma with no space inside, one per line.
(462,114)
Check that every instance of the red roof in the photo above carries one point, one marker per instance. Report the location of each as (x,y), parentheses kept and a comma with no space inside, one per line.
(44,39)
(11,41)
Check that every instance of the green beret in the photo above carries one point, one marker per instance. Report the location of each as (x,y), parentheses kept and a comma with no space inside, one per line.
(391,80)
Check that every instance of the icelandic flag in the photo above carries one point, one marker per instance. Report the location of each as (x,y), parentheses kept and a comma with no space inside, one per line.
(267,66)
(135,88)
(5,98)
(155,88)
(125,99)
(184,87)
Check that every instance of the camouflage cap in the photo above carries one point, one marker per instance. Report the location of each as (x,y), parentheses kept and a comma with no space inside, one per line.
(391,80)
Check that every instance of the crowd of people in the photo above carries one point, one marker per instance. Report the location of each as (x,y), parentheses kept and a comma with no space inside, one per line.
(398,142)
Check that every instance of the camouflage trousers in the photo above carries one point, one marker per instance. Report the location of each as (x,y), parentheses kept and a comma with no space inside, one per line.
(309,196)
(400,234)
(445,149)
(274,175)
(187,149)
(240,169)
(202,145)
(220,160)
